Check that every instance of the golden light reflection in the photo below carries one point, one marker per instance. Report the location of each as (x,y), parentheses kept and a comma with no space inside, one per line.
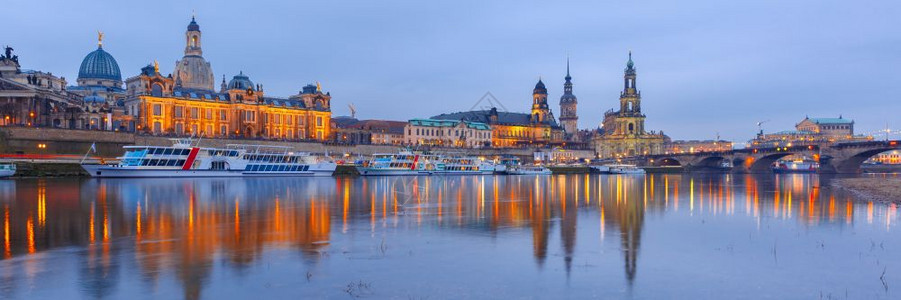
(7,245)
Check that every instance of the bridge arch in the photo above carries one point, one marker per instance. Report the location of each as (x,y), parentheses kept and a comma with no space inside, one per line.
(852,163)
(714,162)
(764,163)
(668,162)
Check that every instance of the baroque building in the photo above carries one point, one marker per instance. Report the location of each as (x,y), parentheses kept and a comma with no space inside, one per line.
(100,84)
(193,72)
(187,104)
(569,119)
(509,129)
(811,131)
(623,133)
(450,133)
(35,98)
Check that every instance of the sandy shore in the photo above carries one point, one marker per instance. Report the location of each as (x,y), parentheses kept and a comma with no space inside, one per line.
(872,188)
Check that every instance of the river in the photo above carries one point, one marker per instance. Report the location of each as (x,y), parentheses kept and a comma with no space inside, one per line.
(562,236)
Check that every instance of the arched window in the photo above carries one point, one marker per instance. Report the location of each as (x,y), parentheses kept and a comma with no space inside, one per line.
(631,128)
(194,41)
(156,90)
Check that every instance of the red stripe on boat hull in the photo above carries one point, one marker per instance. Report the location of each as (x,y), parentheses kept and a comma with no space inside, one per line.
(191,157)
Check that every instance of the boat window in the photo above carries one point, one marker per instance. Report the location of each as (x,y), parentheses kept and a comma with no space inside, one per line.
(167,152)
(306,168)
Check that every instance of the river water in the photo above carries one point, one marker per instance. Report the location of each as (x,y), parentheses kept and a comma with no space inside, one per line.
(561,236)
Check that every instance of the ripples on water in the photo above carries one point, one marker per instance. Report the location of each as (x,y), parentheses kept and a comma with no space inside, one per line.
(576,236)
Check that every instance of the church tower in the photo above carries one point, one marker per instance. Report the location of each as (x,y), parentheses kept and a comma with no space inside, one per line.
(192,71)
(568,117)
(630,118)
(540,109)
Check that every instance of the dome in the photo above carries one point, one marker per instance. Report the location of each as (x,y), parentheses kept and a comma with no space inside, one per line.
(99,65)
(193,25)
(539,88)
(240,82)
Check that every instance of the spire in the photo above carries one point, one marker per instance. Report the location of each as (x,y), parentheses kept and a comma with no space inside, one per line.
(630,64)
(567,69)
(99,39)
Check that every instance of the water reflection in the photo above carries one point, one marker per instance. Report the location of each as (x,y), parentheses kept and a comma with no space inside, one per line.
(162,227)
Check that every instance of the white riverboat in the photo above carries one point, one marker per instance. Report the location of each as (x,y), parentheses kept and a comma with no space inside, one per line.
(398,164)
(528,170)
(184,159)
(624,169)
(463,165)
(7,170)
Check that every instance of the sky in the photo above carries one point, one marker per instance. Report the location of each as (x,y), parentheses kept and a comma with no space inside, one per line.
(705,68)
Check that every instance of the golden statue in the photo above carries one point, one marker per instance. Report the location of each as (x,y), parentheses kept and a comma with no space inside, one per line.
(318,87)
(99,38)
(156,66)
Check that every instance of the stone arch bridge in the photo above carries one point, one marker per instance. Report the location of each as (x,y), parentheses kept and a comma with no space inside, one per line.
(833,158)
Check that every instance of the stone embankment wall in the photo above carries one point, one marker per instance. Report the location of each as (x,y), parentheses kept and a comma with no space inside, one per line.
(25,140)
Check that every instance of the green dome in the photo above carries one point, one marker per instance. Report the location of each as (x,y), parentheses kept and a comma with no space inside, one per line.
(99,65)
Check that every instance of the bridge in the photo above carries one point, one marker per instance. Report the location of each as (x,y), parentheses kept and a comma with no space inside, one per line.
(834,158)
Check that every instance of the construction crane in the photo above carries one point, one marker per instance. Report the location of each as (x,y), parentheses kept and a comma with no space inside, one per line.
(760,125)
(353,110)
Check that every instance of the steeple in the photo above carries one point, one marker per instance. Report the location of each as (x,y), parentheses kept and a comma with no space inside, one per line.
(540,108)
(568,102)
(630,98)
(192,39)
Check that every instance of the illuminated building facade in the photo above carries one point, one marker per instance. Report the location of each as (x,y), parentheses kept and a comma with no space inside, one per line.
(186,104)
(100,85)
(623,133)
(35,98)
(508,129)
(811,131)
(349,130)
(694,146)
(451,133)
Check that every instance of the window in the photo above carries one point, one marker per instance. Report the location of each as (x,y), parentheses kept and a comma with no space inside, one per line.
(157,127)
(156,90)
(179,128)
(179,111)
(250,116)
(318,121)
(194,113)
(157,109)
(209,130)
(208,113)
(289,119)
(194,128)
(223,115)
(277,119)
(223,130)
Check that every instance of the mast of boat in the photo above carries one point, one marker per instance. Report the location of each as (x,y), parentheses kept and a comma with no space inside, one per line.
(93,148)
(199,138)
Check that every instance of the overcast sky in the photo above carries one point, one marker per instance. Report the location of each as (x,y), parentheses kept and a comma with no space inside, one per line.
(704,67)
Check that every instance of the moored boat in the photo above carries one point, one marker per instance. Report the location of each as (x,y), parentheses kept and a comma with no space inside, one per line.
(624,169)
(184,159)
(404,163)
(528,170)
(7,170)
(463,165)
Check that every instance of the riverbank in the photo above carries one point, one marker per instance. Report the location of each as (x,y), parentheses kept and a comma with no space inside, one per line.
(872,188)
